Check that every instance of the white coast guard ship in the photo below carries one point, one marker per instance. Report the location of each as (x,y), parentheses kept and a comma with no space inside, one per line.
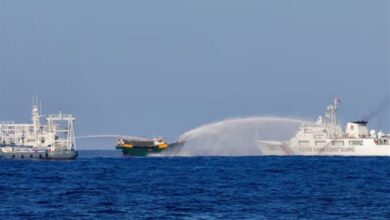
(326,138)
(54,140)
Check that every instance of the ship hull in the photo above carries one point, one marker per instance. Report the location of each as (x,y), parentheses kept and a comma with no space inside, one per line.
(141,151)
(64,155)
(40,155)
(273,148)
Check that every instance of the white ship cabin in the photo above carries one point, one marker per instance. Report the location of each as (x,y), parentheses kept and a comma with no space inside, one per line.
(328,128)
(57,134)
(357,129)
(159,141)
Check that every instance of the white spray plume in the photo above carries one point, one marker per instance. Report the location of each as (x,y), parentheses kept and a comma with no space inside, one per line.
(237,137)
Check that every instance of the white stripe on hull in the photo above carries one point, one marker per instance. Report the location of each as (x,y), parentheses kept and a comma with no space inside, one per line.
(283,149)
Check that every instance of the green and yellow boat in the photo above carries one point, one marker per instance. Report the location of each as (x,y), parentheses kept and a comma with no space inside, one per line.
(135,146)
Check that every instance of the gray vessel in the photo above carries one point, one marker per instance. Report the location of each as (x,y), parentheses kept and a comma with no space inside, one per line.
(54,140)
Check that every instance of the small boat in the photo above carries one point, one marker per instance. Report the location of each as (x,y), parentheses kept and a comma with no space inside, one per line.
(136,146)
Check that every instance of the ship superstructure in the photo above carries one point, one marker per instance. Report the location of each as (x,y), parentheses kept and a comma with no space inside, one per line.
(53,140)
(326,137)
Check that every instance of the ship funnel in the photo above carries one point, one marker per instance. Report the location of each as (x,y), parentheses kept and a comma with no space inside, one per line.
(357,129)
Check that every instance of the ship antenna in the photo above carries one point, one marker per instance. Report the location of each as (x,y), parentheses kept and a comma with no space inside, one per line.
(35,100)
(336,101)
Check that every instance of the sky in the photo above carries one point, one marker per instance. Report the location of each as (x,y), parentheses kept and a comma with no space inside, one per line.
(162,67)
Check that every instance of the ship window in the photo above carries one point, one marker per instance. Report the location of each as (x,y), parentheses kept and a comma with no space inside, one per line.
(382,141)
(320,143)
(357,142)
(338,143)
(303,143)
(318,136)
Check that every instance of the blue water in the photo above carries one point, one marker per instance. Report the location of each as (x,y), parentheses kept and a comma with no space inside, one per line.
(105,185)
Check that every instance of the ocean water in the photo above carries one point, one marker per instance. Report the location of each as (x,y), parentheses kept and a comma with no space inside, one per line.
(106,185)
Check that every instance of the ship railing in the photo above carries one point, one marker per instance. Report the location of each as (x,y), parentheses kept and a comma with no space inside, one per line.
(60,117)
(7,123)
(132,138)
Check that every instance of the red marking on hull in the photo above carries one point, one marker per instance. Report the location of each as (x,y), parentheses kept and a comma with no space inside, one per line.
(287,149)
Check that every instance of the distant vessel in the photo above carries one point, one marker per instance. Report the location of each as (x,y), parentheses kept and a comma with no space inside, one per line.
(136,146)
(326,138)
(54,140)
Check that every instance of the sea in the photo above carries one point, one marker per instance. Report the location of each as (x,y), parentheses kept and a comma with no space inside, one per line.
(107,185)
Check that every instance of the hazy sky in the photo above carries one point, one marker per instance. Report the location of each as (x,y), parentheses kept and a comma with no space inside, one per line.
(165,66)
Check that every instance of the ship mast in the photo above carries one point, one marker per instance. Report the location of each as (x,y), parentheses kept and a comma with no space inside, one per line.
(331,116)
(331,112)
(36,122)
